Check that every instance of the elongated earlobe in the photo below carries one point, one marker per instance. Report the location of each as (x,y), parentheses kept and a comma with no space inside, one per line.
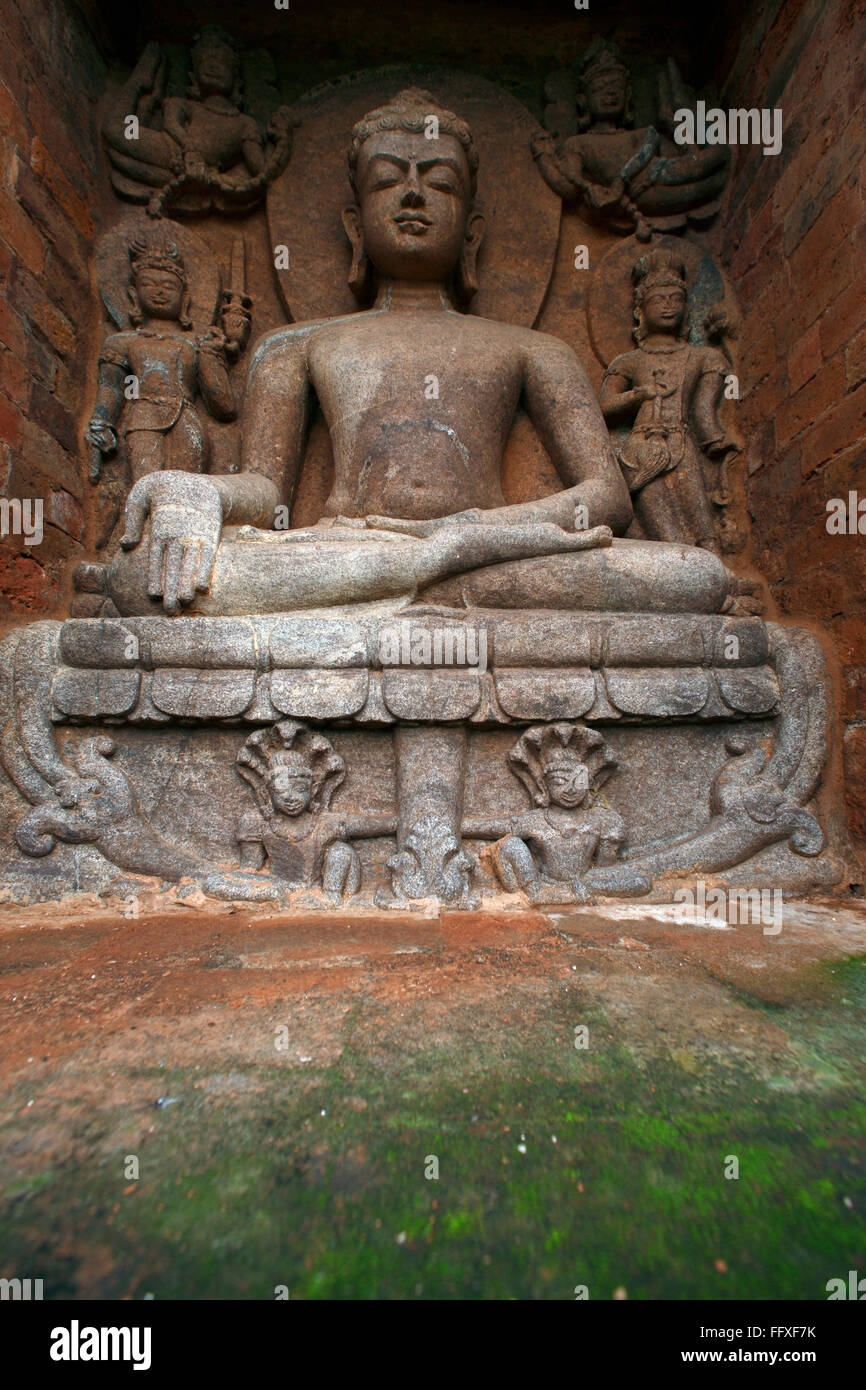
(360,271)
(466,274)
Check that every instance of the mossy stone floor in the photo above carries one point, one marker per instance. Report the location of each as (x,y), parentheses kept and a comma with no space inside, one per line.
(313,1073)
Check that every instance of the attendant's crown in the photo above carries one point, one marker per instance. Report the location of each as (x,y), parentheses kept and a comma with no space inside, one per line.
(153,249)
(659,267)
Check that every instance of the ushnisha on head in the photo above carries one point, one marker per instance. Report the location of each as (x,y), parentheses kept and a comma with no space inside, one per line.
(158,287)
(561,764)
(660,301)
(215,66)
(290,769)
(603,87)
(413,168)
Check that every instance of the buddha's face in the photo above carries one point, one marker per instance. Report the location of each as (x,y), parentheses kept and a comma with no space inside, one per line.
(289,790)
(160,293)
(567,783)
(605,95)
(664,309)
(215,67)
(414,196)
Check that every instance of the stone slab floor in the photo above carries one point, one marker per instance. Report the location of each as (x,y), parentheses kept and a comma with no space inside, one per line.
(288,1088)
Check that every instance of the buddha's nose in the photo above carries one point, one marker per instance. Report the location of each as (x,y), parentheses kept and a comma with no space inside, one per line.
(413,196)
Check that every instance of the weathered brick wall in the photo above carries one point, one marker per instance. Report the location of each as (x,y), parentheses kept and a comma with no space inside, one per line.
(50,74)
(795,245)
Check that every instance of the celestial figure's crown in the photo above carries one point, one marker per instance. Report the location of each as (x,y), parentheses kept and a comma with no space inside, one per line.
(601,56)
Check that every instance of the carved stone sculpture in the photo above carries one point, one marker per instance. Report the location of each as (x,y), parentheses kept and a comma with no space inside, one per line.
(549,849)
(227,644)
(670,389)
(152,376)
(426,469)
(201,151)
(294,773)
(629,179)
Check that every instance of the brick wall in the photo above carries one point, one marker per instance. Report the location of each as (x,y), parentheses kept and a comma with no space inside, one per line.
(795,247)
(50,75)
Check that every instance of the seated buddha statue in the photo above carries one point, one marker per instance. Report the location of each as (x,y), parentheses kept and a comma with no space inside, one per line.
(419,398)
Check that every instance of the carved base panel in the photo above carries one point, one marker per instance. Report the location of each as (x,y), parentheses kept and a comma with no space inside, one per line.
(567,759)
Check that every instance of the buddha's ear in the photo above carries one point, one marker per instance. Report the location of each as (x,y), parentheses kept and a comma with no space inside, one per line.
(466,278)
(360,271)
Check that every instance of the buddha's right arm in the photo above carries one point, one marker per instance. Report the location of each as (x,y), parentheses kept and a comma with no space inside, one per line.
(276,410)
(187,510)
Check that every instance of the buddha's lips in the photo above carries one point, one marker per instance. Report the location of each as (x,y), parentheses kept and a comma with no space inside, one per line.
(414,222)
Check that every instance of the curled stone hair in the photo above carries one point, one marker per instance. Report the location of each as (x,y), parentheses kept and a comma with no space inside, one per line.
(600,56)
(661,267)
(410,111)
(545,746)
(293,745)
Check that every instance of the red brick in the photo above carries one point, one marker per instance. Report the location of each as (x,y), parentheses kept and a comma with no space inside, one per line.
(24,584)
(18,231)
(834,276)
(12,121)
(11,422)
(40,453)
(53,176)
(844,317)
(812,150)
(821,393)
(759,357)
(31,300)
(855,360)
(843,427)
(835,222)
(66,513)
(46,410)
(13,330)
(14,378)
(71,143)
(72,249)
(804,358)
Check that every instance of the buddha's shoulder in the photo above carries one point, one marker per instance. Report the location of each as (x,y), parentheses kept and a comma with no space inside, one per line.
(294,336)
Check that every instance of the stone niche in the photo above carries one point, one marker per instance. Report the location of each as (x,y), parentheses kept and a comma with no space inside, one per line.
(417,567)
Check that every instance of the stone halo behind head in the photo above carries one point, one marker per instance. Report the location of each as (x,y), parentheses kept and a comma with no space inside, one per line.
(305,201)
(113,266)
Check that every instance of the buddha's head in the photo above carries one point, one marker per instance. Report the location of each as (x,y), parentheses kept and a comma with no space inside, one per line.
(158,287)
(291,769)
(413,169)
(603,87)
(215,66)
(660,301)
